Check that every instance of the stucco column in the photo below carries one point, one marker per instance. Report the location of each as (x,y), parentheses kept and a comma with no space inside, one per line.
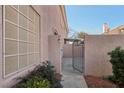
(54,52)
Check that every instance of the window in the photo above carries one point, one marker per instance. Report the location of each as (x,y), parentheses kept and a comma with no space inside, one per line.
(21,37)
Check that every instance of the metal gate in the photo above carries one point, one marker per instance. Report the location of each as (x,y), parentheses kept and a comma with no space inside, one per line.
(78,56)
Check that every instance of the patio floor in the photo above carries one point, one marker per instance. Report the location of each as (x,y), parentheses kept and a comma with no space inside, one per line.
(71,78)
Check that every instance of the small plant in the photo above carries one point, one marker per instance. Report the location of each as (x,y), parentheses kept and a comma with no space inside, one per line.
(117,61)
(48,72)
(34,82)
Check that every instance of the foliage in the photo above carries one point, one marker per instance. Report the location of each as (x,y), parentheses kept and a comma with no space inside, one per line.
(47,71)
(81,35)
(76,34)
(117,61)
(110,78)
(34,82)
(42,76)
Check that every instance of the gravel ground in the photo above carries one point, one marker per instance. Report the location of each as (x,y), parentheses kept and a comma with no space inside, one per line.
(98,82)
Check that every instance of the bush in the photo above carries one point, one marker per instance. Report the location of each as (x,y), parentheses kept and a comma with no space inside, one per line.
(48,72)
(42,76)
(34,82)
(110,78)
(117,61)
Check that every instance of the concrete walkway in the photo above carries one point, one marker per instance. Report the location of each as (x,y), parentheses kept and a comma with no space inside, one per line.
(71,78)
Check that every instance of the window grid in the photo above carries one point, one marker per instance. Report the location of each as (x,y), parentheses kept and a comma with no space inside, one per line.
(26,43)
(21,12)
(20,26)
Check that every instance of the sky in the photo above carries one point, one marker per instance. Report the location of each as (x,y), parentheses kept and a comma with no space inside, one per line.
(90,19)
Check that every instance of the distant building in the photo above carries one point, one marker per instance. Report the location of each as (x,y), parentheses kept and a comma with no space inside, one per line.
(117,30)
(105,28)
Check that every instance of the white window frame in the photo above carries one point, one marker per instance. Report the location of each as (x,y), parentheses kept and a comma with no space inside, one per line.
(3,42)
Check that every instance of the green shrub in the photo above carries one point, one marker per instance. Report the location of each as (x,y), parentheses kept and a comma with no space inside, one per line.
(34,82)
(48,72)
(117,61)
(42,76)
(110,78)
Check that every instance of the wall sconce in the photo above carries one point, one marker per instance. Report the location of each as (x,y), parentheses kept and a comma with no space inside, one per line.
(54,31)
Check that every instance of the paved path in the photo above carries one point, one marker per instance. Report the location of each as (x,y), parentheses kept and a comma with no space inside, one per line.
(71,78)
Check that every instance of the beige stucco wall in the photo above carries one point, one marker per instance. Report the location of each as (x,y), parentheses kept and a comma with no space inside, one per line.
(96,49)
(54,52)
(67,51)
(50,17)
(51,21)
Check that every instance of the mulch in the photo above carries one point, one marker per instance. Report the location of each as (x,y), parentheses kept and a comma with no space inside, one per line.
(98,82)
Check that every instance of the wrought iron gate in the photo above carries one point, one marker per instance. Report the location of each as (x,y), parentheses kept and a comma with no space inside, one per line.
(78,56)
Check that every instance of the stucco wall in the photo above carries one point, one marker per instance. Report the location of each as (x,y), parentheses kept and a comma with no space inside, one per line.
(51,21)
(54,52)
(50,17)
(67,51)
(96,49)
